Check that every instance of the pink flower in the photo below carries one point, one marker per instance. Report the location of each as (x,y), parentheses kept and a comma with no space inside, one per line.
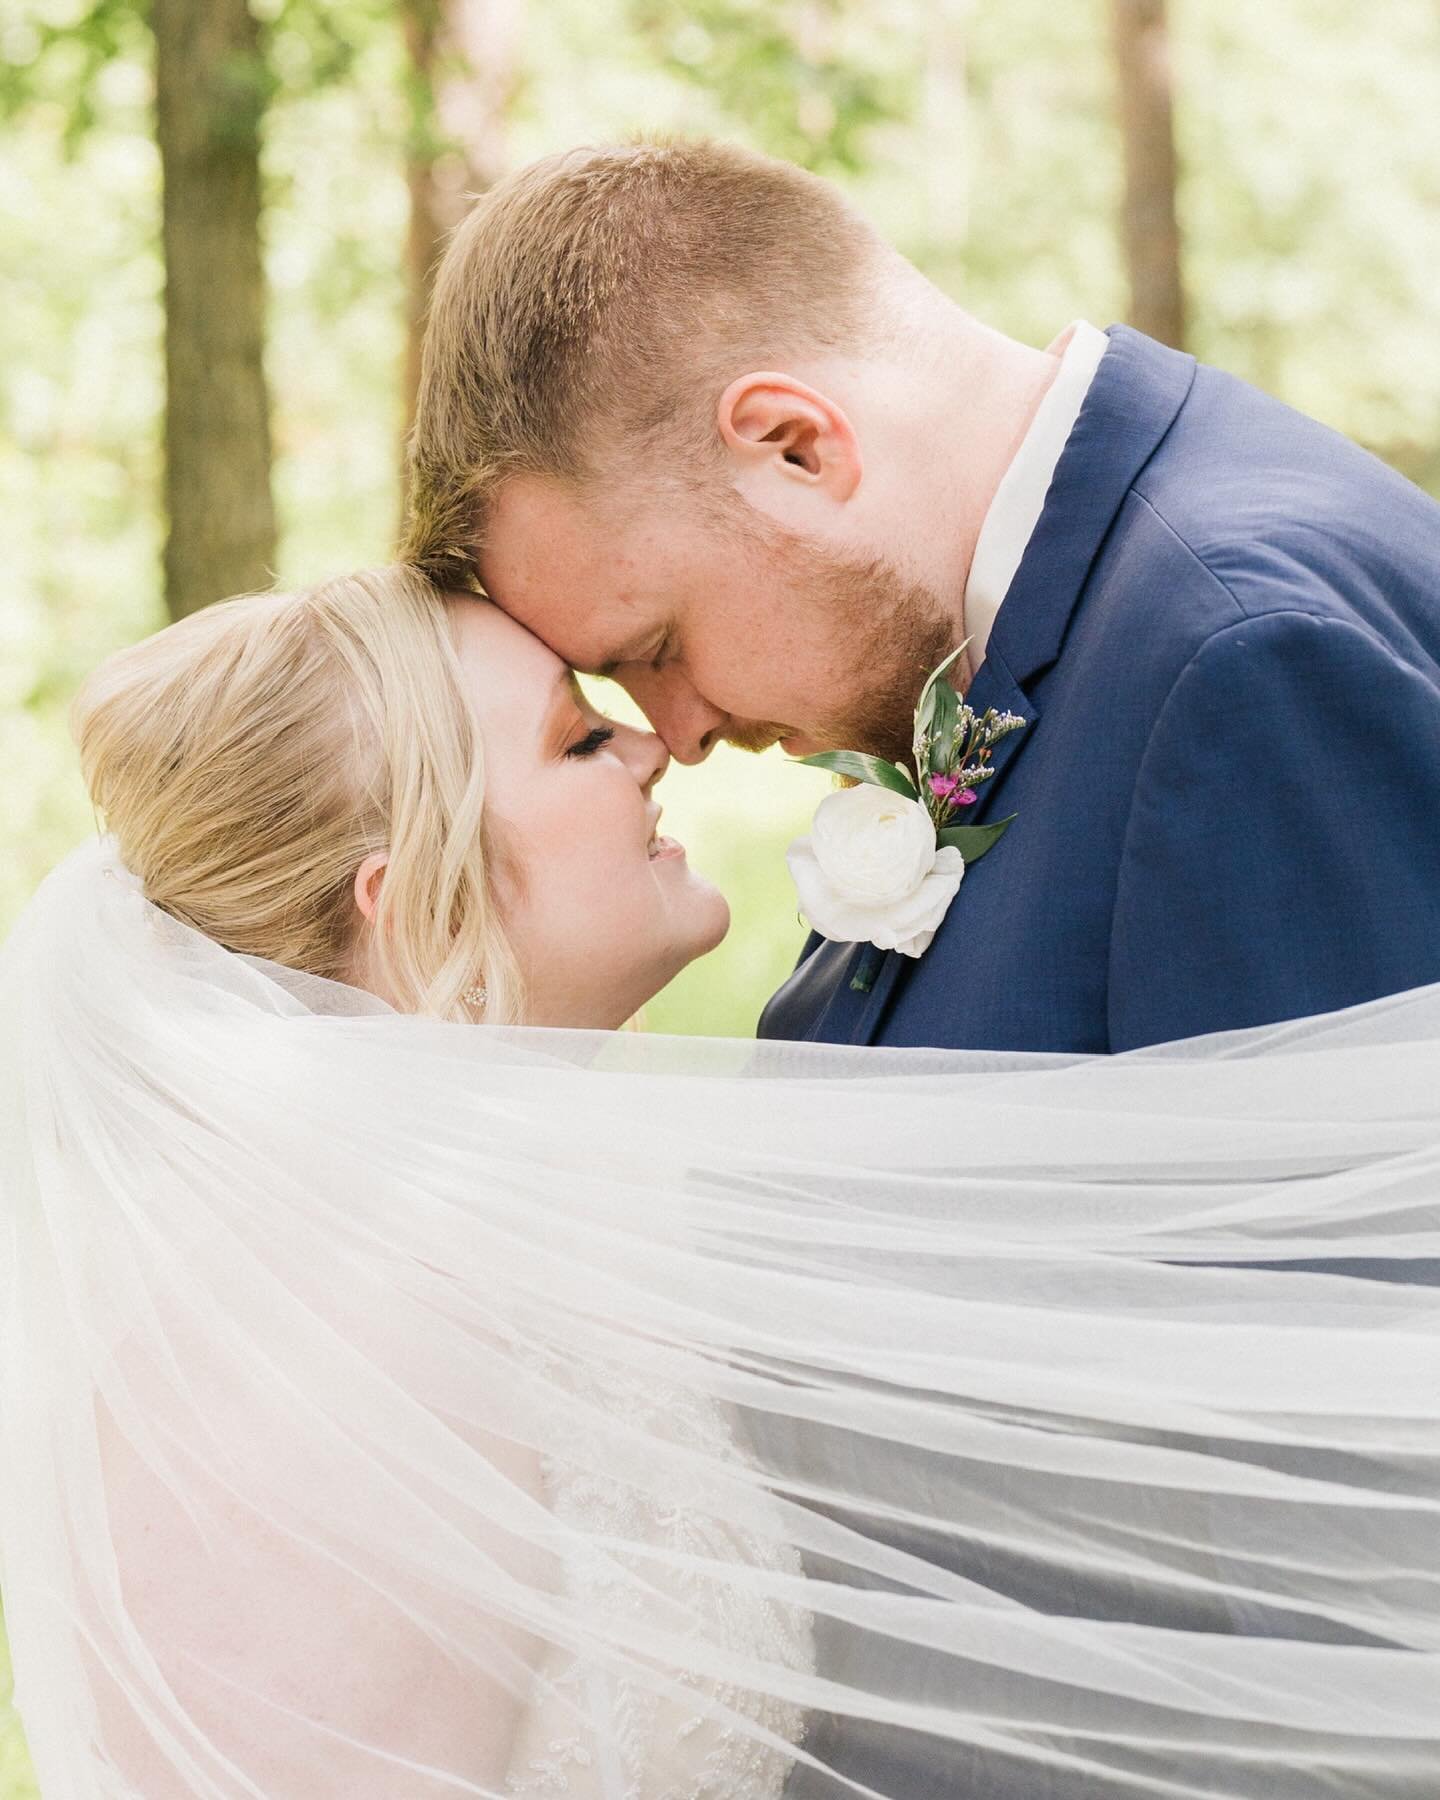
(944,787)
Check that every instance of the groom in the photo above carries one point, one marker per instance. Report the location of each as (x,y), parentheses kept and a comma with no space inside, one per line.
(686,417)
(691,421)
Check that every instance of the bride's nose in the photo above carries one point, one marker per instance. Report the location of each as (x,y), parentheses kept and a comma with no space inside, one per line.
(647,757)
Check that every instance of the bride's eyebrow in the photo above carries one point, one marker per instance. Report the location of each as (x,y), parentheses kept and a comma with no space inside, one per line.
(554,715)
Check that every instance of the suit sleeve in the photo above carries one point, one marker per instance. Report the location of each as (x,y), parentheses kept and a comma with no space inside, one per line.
(1282,855)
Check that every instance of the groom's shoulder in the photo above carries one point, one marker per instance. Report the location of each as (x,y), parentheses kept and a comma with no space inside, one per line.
(1281,511)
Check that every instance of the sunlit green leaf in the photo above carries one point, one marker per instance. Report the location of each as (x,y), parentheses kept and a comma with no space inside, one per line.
(860,767)
(945,709)
(925,711)
(972,841)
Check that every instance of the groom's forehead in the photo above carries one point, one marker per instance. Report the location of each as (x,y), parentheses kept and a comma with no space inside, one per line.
(531,542)
(592,629)
(581,583)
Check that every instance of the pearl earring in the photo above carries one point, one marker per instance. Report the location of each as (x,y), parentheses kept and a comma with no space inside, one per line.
(476,997)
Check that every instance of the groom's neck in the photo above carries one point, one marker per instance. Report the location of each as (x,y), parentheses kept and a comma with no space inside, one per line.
(989,401)
(946,414)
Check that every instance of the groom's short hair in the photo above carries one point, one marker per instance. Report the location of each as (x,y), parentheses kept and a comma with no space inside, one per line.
(591,309)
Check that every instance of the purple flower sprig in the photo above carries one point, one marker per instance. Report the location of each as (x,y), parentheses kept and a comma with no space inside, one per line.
(954,756)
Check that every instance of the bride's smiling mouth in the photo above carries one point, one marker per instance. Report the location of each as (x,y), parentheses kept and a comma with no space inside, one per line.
(662,849)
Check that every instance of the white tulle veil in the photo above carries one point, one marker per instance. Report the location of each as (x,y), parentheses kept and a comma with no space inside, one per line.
(1077,1418)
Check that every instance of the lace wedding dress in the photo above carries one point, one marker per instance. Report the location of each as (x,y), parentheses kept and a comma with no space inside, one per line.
(659,1748)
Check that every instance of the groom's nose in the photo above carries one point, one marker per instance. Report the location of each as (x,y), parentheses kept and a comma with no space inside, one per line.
(684,718)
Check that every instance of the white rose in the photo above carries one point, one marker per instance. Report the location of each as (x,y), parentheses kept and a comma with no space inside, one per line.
(870,872)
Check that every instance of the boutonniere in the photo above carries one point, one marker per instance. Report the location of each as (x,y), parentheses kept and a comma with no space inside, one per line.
(885,857)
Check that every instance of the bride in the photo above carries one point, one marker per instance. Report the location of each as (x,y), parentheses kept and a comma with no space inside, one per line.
(391,1407)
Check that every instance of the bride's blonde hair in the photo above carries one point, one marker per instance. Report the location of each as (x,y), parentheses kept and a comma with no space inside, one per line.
(249,758)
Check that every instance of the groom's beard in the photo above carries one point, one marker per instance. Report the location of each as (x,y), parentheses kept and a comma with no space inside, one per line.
(893,633)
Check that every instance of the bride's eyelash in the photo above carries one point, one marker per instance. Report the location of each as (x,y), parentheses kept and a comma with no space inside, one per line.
(592,741)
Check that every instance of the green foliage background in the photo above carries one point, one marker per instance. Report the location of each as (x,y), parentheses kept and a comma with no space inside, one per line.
(979,134)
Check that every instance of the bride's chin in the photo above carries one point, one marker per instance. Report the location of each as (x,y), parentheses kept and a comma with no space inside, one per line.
(705,926)
(712,919)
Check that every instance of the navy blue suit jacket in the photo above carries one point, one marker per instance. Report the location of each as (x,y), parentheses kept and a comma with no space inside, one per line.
(1225,636)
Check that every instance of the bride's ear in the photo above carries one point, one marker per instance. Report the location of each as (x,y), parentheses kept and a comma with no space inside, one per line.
(368,878)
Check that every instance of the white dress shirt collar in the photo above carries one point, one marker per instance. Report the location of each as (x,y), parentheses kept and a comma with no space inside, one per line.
(1015,510)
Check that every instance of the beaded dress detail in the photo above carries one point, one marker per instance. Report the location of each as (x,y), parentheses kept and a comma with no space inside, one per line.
(646,1745)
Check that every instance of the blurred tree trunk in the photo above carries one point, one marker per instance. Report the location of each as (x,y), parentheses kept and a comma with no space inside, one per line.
(1149,227)
(210,98)
(464,60)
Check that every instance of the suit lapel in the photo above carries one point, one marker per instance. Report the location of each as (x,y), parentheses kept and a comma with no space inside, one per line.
(1137,391)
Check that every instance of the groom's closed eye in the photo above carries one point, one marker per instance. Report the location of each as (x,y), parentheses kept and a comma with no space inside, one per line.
(653,651)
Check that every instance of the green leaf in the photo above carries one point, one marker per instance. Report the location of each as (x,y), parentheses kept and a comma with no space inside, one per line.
(925,710)
(946,710)
(860,767)
(972,841)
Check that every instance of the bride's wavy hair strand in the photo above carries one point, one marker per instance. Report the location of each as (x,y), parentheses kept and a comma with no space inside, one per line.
(250,757)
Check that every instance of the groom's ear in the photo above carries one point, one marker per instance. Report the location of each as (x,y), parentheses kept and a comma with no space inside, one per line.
(776,426)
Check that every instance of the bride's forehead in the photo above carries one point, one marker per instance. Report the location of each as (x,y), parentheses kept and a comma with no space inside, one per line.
(490,641)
